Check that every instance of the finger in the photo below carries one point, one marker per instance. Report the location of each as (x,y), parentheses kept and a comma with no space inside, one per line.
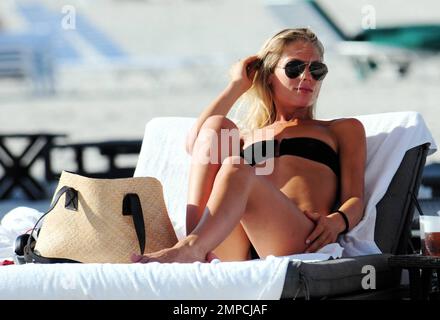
(250,58)
(312,215)
(246,61)
(318,244)
(324,243)
(251,67)
(315,234)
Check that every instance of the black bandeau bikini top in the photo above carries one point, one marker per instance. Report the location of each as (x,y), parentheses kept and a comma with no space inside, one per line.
(309,148)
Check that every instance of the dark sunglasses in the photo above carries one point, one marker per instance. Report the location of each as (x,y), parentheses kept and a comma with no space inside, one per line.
(295,68)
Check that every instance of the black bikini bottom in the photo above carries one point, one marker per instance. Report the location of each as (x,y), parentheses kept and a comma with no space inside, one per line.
(254,254)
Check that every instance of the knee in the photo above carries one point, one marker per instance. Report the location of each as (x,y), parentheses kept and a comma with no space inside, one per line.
(217,122)
(221,136)
(211,129)
(236,166)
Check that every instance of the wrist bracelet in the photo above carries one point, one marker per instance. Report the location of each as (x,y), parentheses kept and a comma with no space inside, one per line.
(344,216)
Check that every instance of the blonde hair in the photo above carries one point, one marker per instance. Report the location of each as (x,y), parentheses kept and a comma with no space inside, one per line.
(258,101)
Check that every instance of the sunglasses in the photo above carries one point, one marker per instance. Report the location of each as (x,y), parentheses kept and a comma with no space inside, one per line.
(295,68)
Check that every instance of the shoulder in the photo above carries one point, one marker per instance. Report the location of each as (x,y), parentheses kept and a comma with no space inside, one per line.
(347,127)
(350,134)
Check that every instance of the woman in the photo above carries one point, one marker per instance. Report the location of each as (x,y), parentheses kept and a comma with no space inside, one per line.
(313,190)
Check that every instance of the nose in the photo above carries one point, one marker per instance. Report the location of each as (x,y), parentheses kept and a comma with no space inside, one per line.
(306,75)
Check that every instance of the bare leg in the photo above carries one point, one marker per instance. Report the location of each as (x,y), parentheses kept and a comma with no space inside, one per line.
(202,174)
(273,222)
(201,181)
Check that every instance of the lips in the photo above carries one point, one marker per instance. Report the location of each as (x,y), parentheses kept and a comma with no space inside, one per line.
(304,89)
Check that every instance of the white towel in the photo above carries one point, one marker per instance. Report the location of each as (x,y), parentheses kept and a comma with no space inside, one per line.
(13,224)
(146,281)
(163,156)
(389,136)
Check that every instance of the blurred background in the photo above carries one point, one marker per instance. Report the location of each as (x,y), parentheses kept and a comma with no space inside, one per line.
(80,79)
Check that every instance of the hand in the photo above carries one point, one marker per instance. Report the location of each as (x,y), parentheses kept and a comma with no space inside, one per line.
(239,75)
(327,229)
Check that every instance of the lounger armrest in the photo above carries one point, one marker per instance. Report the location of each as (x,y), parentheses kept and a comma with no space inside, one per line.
(338,277)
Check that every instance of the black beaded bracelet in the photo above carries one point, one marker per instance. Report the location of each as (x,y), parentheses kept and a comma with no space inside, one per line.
(347,225)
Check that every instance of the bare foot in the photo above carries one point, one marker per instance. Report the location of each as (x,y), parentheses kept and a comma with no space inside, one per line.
(179,253)
(211,256)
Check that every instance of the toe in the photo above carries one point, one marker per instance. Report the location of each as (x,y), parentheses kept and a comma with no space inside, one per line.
(135,257)
(145,259)
(211,256)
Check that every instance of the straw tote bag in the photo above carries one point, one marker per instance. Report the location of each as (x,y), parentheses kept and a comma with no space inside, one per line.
(101,221)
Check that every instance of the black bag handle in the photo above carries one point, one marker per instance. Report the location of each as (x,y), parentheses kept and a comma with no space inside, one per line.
(30,256)
(131,206)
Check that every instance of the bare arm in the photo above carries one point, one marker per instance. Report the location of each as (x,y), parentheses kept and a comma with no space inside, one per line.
(238,85)
(352,150)
(352,143)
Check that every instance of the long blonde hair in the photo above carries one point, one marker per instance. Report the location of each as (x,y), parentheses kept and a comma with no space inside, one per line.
(258,101)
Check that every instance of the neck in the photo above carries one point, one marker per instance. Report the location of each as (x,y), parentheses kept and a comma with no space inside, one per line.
(299,113)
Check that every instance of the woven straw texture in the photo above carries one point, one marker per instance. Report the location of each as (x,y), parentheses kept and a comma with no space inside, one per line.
(98,232)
